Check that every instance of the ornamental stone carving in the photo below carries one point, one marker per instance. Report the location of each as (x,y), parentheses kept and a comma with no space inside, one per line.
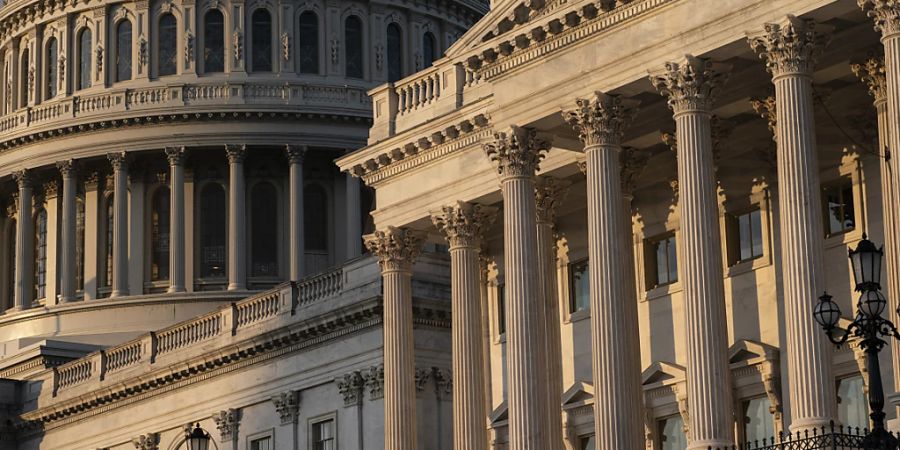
(790,46)
(379,56)
(51,189)
(549,193)
(690,84)
(295,153)
(23,178)
(30,81)
(443,383)
(396,248)
(142,52)
(99,58)
(885,14)
(62,72)
(422,377)
(286,46)
(351,388)
(464,224)
(634,161)
(334,51)
(149,441)
(175,155)
(228,422)
(517,151)
(236,153)
(189,47)
(871,72)
(601,119)
(766,108)
(238,39)
(118,160)
(287,405)
(12,205)
(374,381)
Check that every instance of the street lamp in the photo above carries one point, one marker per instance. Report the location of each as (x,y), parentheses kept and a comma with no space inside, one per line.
(197,439)
(869,327)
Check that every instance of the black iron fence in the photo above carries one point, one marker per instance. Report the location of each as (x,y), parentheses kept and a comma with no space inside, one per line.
(825,438)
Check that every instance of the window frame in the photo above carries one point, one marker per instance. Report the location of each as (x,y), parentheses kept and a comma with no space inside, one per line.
(313,421)
(265,434)
(79,55)
(158,45)
(116,53)
(841,183)
(252,51)
(51,90)
(40,253)
(574,313)
(25,61)
(651,274)
(204,18)
(318,42)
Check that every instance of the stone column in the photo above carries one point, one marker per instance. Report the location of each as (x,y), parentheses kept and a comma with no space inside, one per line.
(690,86)
(517,153)
(872,73)
(67,246)
(601,122)
(549,193)
(790,49)
(295,155)
(463,225)
(354,220)
(886,15)
(24,238)
(237,220)
(397,249)
(176,156)
(120,224)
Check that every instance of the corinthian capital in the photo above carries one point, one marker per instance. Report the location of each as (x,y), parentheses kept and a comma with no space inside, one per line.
(23,178)
(765,107)
(790,46)
(175,155)
(295,153)
(66,168)
(464,224)
(235,153)
(517,151)
(396,248)
(118,160)
(634,161)
(885,13)
(690,84)
(871,72)
(601,119)
(549,193)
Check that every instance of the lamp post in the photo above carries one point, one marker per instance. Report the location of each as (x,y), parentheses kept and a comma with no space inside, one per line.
(197,439)
(869,327)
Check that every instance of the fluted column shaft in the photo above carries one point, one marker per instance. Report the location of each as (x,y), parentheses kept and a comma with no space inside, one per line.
(463,225)
(237,220)
(549,193)
(601,121)
(24,232)
(518,153)
(397,250)
(175,156)
(67,234)
(790,50)
(295,155)
(120,224)
(691,85)
(886,15)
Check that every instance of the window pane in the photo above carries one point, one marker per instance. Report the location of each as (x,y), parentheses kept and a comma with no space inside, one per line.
(214,42)
(756,233)
(580,287)
(353,40)
(323,435)
(839,210)
(212,231)
(587,443)
(848,221)
(672,253)
(262,41)
(84,59)
(264,205)
(261,444)
(759,425)
(309,43)
(662,272)
(40,254)
(123,51)
(52,67)
(168,45)
(852,405)
(429,51)
(24,64)
(394,52)
(672,435)
(159,235)
(744,234)
(501,309)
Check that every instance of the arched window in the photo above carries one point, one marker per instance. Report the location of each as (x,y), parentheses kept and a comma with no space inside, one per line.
(262,41)
(212,231)
(394,52)
(353,40)
(309,43)
(264,242)
(110,226)
(52,69)
(159,235)
(168,44)
(84,59)
(123,51)
(429,48)
(79,243)
(40,254)
(24,69)
(214,42)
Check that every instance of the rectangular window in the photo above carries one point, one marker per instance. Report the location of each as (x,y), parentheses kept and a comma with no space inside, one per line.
(662,261)
(579,287)
(264,443)
(587,443)
(853,410)
(837,207)
(501,309)
(323,435)
(744,236)
(759,425)
(671,434)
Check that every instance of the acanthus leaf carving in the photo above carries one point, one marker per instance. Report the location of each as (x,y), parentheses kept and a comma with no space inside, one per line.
(374,381)
(351,388)
(517,151)
(790,46)
(871,72)
(549,192)
(287,405)
(601,119)
(228,422)
(396,248)
(464,224)
(149,441)
(690,84)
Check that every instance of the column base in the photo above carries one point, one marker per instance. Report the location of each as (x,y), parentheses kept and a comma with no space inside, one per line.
(236,287)
(812,423)
(121,293)
(175,289)
(66,300)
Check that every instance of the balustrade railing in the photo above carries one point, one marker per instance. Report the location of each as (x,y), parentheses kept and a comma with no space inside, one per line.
(323,285)
(123,355)
(418,92)
(73,373)
(257,309)
(188,333)
(831,437)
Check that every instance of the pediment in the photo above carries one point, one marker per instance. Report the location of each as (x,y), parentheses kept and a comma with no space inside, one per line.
(747,351)
(662,372)
(500,414)
(579,394)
